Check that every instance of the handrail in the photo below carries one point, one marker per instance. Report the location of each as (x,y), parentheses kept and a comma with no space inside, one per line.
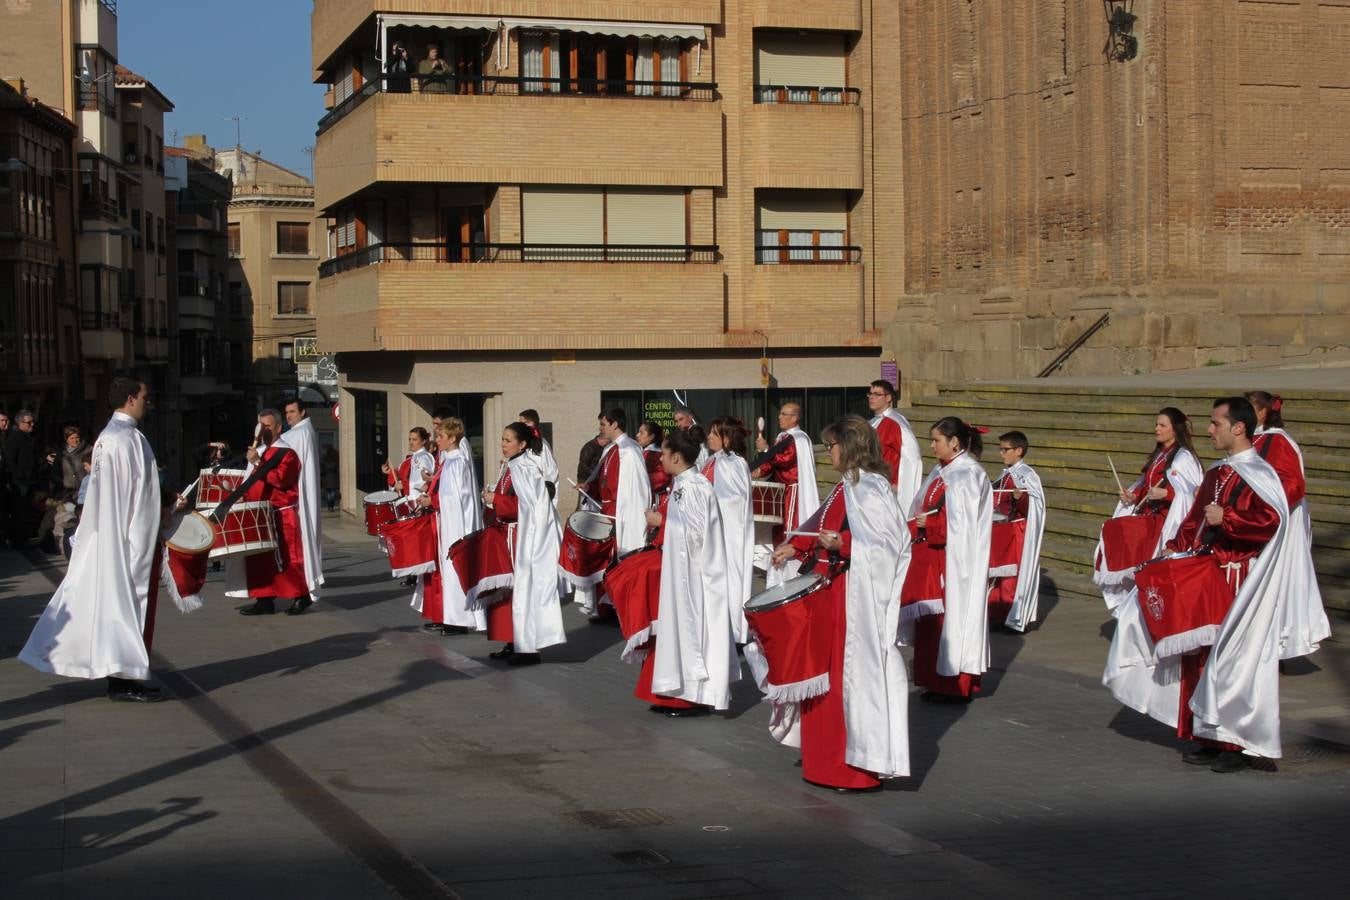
(821,255)
(1069,351)
(519,86)
(821,94)
(474,253)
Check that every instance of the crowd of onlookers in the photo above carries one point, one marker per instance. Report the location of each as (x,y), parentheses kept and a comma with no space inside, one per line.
(42,488)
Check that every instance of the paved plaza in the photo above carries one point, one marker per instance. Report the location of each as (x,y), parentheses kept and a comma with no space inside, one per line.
(343,754)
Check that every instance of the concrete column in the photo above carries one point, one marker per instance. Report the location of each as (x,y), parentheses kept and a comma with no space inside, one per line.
(351,500)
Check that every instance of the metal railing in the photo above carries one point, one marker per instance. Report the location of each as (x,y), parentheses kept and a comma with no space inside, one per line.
(1069,350)
(518,253)
(520,86)
(804,93)
(100,320)
(785,255)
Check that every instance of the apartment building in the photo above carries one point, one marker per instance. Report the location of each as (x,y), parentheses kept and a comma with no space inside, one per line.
(574,205)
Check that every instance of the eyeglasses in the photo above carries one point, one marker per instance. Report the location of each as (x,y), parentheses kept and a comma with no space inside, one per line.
(830,445)
(1006,449)
(877,394)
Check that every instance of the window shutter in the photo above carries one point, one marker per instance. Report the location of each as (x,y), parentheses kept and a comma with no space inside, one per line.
(809,60)
(646,217)
(563,216)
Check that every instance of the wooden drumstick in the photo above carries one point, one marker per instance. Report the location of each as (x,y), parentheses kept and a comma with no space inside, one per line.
(1115,473)
(584,494)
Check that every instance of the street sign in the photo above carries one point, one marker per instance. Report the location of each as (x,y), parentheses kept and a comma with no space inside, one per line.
(890,371)
(337,412)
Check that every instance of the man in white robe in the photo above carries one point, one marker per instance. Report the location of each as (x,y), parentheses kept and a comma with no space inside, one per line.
(100,622)
(791,461)
(622,489)
(1018,494)
(899,446)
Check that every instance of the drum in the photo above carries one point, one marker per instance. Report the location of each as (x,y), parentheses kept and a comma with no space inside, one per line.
(633,583)
(189,543)
(1183,601)
(767,500)
(214,486)
(411,545)
(248,528)
(1005,547)
(379,509)
(794,626)
(482,562)
(587,548)
(1130,541)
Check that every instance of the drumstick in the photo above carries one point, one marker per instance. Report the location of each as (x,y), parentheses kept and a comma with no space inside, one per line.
(586,495)
(1115,473)
(802,533)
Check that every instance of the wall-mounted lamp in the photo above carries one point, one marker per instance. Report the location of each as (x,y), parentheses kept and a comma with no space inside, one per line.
(1121,44)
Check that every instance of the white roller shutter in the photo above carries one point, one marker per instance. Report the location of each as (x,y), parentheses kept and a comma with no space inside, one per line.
(556,216)
(809,60)
(637,216)
(803,210)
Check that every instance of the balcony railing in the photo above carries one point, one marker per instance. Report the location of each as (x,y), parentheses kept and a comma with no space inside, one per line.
(784,255)
(520,86)
(519,253)
(100,320)
(799,93)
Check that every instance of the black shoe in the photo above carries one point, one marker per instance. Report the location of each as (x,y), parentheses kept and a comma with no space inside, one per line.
(410,581)
(431,626)
(122,690)
(876,788)
(935,697)
(1230,761)
(449,630)
(299,605)
(524,659)
(263,606)
(507,651)
(684,712)
(1201,756)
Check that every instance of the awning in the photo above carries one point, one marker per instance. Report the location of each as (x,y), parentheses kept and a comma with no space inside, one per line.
(618,29)
(411,20)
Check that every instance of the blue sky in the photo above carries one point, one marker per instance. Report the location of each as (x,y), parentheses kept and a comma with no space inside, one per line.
(215,60)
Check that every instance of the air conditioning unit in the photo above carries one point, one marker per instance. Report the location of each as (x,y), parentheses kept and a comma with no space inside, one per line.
(132,157)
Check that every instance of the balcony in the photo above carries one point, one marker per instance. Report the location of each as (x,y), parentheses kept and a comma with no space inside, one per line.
(837,15)
(821,298)
(378,254)
(832,159)
(198,307)
(672,136)
(394,298)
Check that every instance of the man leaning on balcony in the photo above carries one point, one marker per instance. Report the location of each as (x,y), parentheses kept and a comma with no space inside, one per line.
(435,72)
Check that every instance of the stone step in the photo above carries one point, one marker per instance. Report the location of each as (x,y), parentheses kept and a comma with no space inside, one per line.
(1072,453)
(1088,524)
(1296,401)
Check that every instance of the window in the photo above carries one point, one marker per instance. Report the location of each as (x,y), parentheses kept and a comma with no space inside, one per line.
(238,296)
(799,68)
(233,238)
(286,358)
(584,223)
(539,62)
(802,227)
(293,298)
(293,238)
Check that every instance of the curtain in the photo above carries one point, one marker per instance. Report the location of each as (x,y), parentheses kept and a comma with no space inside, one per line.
(643,68)
(768,243)
(801,244)
(670,67)
(531,61)
(831,239)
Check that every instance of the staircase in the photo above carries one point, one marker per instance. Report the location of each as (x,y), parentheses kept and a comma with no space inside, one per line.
(1072,429)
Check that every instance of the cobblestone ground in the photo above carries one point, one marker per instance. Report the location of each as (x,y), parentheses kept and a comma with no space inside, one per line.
(344,754)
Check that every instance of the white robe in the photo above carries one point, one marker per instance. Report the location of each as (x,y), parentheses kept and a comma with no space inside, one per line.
(876,685)
(807,502)
(420,471)
(460,512)
(969,504)
(536,613)
(911,459)
(1184,475)
(1024,607)
(635,495)
(731,483)
(302,440)
(547,464)
(1303,618)
(93,627)
(695,650)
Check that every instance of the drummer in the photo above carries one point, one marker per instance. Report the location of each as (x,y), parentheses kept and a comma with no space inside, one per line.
(791,462)
(453,496)
(944,610)
(547,463)
(1018,495)
(857,731)
(1165,487)
(411,475)
(530,617)
(621,487)
(280,574)
(693,662)
(649,438)
(730,477)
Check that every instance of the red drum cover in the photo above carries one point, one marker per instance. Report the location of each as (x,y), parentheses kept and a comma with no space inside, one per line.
(1129,541)
(188,570)
(587,546)
(795,628)
(1005,544)
(482,561)
(634,584)
(926,577)
(1185,599)
(379,509)
(214,486)
(248,528)
(411,544)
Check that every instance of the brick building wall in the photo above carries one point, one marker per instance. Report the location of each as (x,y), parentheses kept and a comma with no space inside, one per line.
(1199,193)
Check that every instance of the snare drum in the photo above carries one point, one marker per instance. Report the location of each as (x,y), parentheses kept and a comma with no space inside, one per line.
(482,562)
(1129,541)
(411,545)
(587,548)
(767,500)
(379,509)
(633,583)
(1183,601)
(1005,547)
(248,528)
(191,535)
(794,626)
(213,486)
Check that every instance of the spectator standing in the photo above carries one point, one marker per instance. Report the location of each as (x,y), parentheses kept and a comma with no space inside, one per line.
(21,466)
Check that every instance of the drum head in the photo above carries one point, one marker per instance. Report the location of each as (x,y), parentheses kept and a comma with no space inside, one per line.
(792,589)
(382,497)
(589,525)
(192,533)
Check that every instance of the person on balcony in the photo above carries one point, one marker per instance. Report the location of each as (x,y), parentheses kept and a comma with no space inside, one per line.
(398,68)
(435,72)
